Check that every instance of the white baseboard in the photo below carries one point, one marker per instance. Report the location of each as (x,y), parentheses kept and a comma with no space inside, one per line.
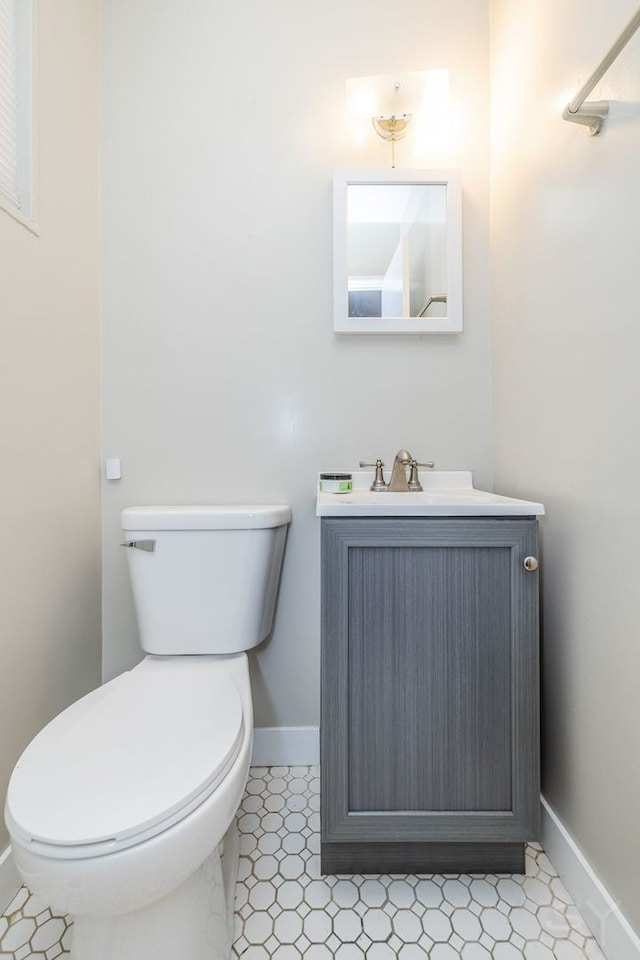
(10,881)
(285,746)
(606,921)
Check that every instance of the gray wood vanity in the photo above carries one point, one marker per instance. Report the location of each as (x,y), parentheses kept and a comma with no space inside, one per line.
(429,706)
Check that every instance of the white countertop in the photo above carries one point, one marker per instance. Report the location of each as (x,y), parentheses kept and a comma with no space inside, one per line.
(446,494)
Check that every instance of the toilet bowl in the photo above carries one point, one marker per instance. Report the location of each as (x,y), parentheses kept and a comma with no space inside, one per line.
(121,811)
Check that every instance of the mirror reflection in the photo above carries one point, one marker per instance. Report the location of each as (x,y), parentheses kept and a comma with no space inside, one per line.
(396,250)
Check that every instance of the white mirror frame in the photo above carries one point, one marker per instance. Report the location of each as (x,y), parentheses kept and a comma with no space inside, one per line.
(342,322)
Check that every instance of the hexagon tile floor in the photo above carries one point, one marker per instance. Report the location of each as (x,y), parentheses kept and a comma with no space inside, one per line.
(286,911)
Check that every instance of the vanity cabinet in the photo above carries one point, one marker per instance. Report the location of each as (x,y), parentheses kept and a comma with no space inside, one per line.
(430,694)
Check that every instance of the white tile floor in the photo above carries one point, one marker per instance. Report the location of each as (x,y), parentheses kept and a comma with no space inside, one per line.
(286,911)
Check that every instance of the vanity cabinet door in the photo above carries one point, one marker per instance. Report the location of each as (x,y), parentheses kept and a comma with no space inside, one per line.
(429,723)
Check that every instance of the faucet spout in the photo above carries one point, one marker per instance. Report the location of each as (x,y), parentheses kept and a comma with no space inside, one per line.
(399,482)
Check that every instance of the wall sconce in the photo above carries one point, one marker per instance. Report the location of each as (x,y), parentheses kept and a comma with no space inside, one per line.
(392,128)
(397,105)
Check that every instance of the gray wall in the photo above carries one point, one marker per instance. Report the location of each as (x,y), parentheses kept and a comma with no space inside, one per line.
(223,380)
(49,401)
(565,296)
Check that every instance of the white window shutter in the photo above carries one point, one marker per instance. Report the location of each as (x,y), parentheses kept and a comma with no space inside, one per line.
(8,109)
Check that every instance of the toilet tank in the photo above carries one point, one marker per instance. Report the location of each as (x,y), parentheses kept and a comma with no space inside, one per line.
(204,578)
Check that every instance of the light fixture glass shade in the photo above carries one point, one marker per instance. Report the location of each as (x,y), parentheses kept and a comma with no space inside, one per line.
(392,128)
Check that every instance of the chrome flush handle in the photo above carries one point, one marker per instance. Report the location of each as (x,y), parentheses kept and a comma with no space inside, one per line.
(148,545)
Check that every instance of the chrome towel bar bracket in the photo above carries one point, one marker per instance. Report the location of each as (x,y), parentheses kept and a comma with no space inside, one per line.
(592,113)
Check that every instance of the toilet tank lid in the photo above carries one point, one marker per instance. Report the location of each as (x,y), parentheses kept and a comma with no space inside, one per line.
(206,517)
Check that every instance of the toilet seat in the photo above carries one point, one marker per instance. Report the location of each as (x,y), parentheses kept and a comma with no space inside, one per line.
(129,760)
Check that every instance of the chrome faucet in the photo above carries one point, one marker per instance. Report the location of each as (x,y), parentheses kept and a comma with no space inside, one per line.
(399,482)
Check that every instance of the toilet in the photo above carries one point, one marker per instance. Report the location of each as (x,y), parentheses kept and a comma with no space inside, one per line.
(121,811)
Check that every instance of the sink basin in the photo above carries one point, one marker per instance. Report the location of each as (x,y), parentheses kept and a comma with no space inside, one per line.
(446,494)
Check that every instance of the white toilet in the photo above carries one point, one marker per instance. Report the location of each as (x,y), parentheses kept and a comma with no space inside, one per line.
(121,811)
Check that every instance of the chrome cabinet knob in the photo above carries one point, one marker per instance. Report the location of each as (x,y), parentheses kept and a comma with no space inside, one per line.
(530,564)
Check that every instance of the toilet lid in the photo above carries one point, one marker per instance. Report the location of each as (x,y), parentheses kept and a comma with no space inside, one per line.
(131,758)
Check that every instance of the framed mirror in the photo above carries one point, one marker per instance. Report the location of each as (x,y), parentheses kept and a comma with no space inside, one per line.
(397,251)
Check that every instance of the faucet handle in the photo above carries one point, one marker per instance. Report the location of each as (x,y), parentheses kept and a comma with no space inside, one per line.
(379,481)
(414,480)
